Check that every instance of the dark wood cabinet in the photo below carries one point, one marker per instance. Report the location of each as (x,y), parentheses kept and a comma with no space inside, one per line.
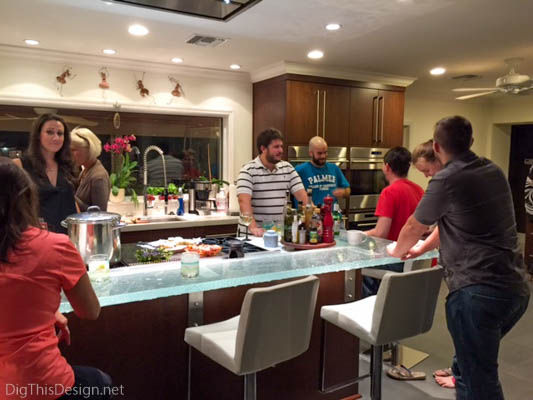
(345,113)
(376,118)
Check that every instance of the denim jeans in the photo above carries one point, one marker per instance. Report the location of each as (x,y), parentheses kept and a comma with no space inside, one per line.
(371,285)
(90,383)
(478,317)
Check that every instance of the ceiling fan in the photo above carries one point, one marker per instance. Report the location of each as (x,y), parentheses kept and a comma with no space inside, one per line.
(69,119)
(511,83)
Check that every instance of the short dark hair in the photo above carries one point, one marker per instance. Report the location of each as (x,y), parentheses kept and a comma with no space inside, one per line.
(399,160)
(267,136)
(454,134)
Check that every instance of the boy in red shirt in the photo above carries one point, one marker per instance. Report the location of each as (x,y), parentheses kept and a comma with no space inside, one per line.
(395,205)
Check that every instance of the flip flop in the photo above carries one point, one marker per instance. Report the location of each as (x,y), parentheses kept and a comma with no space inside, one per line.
(443,372)
(402,373)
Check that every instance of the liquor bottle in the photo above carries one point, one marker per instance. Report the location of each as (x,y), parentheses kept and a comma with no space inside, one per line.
(320,228)
(308,214)
(313,227)
(294,229)
(302,232)
(287,225)
(327,234)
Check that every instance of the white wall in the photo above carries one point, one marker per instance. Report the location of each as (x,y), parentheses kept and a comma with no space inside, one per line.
(29,78)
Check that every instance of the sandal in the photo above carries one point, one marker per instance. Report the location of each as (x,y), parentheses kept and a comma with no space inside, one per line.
(402,373)
(443,372)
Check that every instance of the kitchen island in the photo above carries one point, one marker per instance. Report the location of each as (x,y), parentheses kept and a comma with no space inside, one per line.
(138,338)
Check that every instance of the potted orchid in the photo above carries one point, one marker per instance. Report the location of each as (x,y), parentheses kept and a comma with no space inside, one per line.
(123,178)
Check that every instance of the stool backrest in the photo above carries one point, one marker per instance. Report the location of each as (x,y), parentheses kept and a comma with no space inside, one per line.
(275,324)
(405,304)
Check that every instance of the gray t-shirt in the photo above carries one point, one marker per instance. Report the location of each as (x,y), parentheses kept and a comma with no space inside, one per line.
(470,199)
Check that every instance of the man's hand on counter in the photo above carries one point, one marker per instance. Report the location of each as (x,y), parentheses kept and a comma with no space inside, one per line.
(256,231)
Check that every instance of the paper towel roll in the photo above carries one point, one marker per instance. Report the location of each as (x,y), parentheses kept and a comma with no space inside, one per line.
(233,202)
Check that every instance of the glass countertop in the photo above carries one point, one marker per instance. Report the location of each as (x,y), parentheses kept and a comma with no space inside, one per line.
(152,281)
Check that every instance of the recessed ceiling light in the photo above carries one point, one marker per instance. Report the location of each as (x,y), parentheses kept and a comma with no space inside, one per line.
(333,27)
(138,30)
(31,42)
(235,66)
(109,51)
(315,54)
(437,71)
(177,60)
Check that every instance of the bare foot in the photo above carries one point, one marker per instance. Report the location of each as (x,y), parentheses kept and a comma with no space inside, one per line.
(443,372)
(445,381)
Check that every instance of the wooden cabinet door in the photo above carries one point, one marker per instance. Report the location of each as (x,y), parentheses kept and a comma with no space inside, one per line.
(335,114)
(302,116)
(363,117)
(391,118)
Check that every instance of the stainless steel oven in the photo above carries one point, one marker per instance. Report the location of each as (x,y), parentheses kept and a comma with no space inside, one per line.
(336,155)
(366,182)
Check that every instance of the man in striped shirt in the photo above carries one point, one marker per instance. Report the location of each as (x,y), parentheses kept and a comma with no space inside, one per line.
(263,182)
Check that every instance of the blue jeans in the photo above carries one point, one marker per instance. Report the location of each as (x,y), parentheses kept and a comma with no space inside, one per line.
(478,317)
(90,383)
(371,285)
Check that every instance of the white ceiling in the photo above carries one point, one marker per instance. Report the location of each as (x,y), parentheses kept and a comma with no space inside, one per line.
(401,37)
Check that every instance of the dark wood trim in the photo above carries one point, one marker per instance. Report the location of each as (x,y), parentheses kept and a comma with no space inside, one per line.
(188,233)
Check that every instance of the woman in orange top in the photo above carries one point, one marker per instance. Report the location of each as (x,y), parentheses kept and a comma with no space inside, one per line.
(35,265)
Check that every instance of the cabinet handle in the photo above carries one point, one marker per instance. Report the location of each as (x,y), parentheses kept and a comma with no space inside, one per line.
(317,111)
(324,117)
(375,110)
(382,99)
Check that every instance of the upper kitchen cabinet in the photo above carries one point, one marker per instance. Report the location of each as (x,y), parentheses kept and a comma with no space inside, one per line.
(376,118)
(317,110)
(343,112)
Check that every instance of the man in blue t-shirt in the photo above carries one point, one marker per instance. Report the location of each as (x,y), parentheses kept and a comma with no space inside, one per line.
(323,177)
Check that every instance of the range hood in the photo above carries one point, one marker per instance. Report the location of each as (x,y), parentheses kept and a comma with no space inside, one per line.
(220,10)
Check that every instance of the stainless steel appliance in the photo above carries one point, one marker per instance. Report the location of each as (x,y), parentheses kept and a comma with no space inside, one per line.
(336,155)
(203,204)
(366,182)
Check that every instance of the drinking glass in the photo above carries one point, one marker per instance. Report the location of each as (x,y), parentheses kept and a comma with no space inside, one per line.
(246,218)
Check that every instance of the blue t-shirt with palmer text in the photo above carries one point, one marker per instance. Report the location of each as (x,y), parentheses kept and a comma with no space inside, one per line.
(323,180)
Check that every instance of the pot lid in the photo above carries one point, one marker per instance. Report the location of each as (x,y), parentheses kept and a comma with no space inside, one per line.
(93,215)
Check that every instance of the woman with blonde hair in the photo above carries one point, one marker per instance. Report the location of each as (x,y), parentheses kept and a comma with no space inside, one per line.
(424,160)
(93,181)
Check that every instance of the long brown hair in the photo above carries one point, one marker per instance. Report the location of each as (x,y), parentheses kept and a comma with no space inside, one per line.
(18,206)
(62,157)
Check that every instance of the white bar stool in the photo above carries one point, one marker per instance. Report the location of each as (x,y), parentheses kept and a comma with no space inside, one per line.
(274,326)
(404,307)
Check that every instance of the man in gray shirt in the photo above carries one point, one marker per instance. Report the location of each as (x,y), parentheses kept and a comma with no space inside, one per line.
(470,199)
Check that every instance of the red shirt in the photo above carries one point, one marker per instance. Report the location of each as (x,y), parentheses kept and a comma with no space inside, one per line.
(30,288)
(398,202)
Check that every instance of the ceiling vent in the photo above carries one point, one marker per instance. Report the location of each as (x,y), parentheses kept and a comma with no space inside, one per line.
(206,41)
(467,77)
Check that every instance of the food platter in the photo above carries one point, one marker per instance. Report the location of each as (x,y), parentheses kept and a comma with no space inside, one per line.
(307,246)
(172,244)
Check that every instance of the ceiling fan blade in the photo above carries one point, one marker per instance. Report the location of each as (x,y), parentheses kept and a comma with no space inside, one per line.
(471,89)
(9,116)
(471,96)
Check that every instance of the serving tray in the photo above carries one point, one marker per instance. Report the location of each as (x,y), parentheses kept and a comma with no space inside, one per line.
(307,246)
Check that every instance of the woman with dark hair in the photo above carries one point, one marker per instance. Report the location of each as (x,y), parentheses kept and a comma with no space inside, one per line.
(35,266)
(49,165)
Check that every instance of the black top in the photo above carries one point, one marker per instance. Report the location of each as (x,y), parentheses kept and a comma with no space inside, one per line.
(471,201)
(55,202)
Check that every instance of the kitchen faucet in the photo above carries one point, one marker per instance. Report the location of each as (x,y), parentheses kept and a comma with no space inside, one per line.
(145,181)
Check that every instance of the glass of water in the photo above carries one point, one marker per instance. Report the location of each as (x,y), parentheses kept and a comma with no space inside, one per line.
(190,265)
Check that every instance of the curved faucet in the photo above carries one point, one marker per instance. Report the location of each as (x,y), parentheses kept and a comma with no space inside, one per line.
(145,180)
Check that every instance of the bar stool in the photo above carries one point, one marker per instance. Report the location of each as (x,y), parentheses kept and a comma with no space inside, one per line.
(404,307)
(274,326)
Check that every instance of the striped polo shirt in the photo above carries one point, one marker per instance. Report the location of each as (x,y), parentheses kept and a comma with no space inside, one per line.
(268,188)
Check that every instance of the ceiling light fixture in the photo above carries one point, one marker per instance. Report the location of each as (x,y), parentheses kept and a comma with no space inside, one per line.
(138,30)
(109,51)
(177,60)
(333,27)
(235,66)
(315,54)
(437,71)
(31,42)
(227,1)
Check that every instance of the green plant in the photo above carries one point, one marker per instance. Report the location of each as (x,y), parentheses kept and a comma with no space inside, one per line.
(219,182)
(152,255)
(124,177)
